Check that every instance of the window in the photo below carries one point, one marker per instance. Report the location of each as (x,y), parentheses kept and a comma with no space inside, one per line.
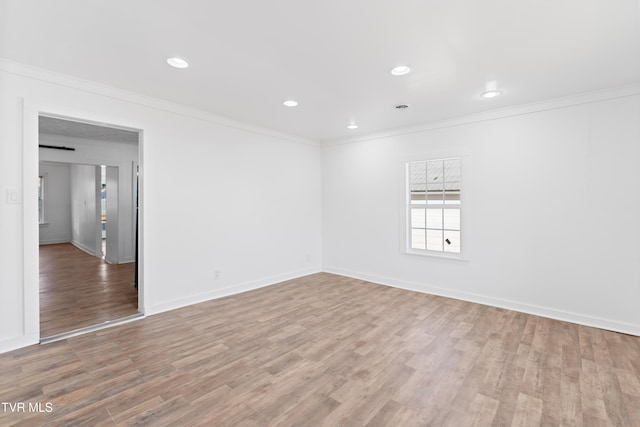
(41,199)
(434,205)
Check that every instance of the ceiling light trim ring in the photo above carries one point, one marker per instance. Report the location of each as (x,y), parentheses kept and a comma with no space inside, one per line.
(400,70)
(176,62)
(489,94)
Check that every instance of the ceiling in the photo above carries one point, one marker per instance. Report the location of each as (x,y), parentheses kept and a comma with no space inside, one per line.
(332,56)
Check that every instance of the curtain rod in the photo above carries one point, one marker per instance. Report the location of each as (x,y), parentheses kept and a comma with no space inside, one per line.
(55,147)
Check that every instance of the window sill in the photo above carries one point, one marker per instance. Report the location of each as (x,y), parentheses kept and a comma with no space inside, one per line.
(441,255)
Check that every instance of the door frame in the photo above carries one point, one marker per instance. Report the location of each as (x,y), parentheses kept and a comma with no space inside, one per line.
(114,220)
(30,138)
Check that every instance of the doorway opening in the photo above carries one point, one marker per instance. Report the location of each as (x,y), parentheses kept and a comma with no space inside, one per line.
(88,207)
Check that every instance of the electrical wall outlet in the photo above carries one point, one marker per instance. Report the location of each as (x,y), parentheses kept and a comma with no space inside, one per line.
(216,274)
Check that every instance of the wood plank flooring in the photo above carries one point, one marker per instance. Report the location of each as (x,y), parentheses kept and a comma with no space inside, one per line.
(79,290)
(326,350)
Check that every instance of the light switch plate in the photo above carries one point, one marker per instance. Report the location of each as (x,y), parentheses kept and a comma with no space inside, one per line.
(13,196)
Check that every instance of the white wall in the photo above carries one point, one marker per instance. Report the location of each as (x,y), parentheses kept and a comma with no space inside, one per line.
(57,204)
(216,195)
(552,201)
(85,208)
(219,195)
(95,152)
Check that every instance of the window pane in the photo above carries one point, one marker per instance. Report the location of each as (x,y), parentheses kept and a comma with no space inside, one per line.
(452,241)
(434,188)
(435,194)
(419,198)
(449,186)
(434,171)
(418,182)
(417,239)
(417,218)
(452,170)
(434,240)
(434,218)
(452,197)
(418,176)
(451,219)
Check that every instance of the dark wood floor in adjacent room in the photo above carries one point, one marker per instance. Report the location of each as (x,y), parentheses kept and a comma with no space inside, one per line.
(79,290)
(326,350)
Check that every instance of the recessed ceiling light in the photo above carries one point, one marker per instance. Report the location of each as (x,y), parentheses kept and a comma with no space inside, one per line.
(352,126)
(490,94)
(177,62)
(290,103)
(400,70)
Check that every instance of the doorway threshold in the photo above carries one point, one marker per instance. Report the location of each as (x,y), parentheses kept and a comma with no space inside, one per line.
(104,325)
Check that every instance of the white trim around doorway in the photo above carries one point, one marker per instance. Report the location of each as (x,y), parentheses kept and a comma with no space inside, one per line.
(31,111)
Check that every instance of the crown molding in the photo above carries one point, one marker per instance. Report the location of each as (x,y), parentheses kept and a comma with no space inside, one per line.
(59,79)
(518,110)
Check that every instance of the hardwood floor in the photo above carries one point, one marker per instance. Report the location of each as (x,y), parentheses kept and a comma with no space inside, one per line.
(326,350)
(79,290)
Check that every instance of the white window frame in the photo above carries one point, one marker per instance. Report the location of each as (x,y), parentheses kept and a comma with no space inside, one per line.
(464,207)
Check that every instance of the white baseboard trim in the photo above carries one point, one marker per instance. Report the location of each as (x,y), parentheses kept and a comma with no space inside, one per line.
(126,261)
(19,342)
(535,310)
(230,290)
(53,242)
(83,248)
